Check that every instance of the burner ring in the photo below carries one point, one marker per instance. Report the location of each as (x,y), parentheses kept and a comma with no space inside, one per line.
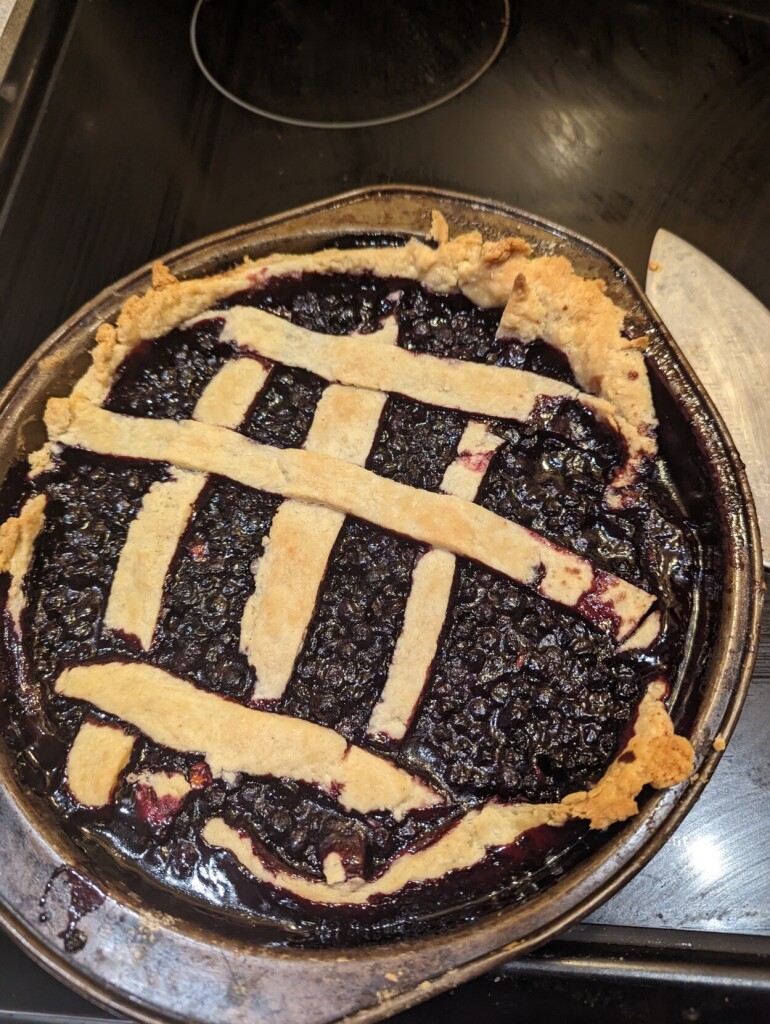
(482,42)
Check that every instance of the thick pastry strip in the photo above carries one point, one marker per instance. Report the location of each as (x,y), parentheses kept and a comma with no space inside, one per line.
(97,756)
(234,738)
(426,607)
(17,546)
(440,520)
(153,537)
(301,539)
(653,755)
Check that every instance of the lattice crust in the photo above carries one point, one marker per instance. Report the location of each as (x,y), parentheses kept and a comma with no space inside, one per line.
(543,298)
(289,574)
(653,756)
(321,484)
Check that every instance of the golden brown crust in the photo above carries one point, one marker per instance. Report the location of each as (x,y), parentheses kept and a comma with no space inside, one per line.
(543,296)
(17,546)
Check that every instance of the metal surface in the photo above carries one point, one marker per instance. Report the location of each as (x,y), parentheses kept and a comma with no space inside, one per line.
(709,876)
(209,977)
(724,332)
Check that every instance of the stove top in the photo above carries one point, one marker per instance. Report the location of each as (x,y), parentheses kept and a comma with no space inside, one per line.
(611,118)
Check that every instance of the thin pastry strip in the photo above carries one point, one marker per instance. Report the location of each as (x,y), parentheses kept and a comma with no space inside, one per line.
(426,607)
(290,572)
(153,537)
(136,593)
(233,738)
(653,755)
(98,755)
(439,520)
(17,547)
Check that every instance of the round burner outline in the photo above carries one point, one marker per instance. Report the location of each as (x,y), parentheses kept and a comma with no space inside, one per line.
(505,26)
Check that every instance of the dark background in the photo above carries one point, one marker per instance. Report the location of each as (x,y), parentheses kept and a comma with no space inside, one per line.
(613,119)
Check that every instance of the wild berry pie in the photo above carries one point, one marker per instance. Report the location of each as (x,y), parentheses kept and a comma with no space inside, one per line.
(349,585)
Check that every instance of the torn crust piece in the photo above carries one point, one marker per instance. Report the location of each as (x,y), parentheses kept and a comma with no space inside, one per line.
(18,536)
(159,795)
(653,756)
(549,301)
(234,739)
(439,520)
(97,756)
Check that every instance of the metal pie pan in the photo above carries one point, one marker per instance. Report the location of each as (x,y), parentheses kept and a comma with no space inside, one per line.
(160,966)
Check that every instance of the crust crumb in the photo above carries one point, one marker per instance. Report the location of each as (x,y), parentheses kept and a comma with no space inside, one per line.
(719,743)
(654,265)
(500,252)
(162,276)
(439,229)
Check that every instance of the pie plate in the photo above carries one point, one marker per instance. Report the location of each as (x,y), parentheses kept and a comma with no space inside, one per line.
(162,965)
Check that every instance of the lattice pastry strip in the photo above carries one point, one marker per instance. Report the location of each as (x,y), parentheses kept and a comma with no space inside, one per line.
(428,603)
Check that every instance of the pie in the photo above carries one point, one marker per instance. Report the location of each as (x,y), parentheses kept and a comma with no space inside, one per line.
(348,588)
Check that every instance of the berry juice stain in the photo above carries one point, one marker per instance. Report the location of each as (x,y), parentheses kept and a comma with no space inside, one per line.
(84,898)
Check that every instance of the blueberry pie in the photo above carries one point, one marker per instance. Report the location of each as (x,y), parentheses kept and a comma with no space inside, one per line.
(349,586)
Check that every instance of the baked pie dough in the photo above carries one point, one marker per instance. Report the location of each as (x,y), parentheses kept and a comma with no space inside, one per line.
(384,673)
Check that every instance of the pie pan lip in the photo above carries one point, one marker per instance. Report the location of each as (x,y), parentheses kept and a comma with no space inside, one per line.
(158,967)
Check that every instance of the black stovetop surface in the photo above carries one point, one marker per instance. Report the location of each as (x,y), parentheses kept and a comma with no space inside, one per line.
(611,118)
